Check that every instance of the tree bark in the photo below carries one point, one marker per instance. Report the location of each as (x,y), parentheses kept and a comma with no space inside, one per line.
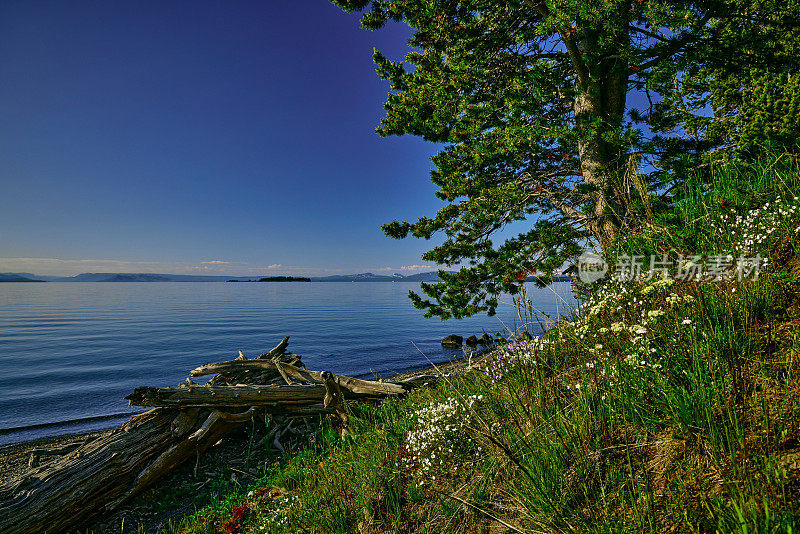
(599,107)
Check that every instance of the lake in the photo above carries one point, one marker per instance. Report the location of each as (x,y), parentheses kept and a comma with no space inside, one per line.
(70,352)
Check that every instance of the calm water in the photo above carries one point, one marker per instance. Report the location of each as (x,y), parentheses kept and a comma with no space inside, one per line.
(70,352)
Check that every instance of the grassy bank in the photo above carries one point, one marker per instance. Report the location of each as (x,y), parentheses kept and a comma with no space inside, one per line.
(664,405)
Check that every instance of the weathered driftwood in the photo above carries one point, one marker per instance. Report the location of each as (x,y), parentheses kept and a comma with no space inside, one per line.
(36,454)
(334,398)
(216,425)
(354,385)
(279,367)
(279,349)
(100,475)
(103,473)
(226,396)
(268,375)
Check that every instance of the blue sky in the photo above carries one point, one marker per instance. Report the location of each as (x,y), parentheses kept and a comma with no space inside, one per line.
(231,137)
(202,137)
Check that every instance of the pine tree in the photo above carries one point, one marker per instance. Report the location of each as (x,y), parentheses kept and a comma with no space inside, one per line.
(740,97)
(529,100)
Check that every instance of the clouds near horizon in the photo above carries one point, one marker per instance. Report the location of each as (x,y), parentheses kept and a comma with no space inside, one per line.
(71,267)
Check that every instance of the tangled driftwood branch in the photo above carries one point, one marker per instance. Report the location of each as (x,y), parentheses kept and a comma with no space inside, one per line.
(100,475)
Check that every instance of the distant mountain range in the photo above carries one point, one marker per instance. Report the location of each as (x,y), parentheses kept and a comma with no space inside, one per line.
(115,277)
(150,277)
(14,277)
(139,277)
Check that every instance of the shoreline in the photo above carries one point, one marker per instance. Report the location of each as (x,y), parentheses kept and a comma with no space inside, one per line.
(15,457)
(122,417)
(144,511)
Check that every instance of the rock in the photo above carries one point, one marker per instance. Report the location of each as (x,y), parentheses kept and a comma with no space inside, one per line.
(452,340)
(485,339)
(472,341)
(524,336)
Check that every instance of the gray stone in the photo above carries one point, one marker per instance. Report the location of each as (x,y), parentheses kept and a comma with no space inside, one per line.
(452,340)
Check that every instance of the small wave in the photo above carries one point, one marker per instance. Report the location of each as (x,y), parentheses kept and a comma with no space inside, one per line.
(69,422)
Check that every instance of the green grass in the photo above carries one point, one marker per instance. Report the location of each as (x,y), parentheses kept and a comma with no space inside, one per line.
(659,408)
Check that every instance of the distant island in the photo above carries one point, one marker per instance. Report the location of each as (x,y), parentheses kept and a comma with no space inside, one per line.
(276,279)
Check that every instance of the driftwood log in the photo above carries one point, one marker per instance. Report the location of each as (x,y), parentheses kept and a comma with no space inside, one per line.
(334,398)
(105,472)
(100,475)
(227,396)
(353,385)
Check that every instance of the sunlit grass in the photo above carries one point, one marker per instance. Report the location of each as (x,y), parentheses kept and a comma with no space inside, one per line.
(662,406)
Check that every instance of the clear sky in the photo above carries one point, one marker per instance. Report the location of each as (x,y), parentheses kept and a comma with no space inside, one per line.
(228,137)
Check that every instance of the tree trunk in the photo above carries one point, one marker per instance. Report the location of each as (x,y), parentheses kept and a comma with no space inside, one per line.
(599,106)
